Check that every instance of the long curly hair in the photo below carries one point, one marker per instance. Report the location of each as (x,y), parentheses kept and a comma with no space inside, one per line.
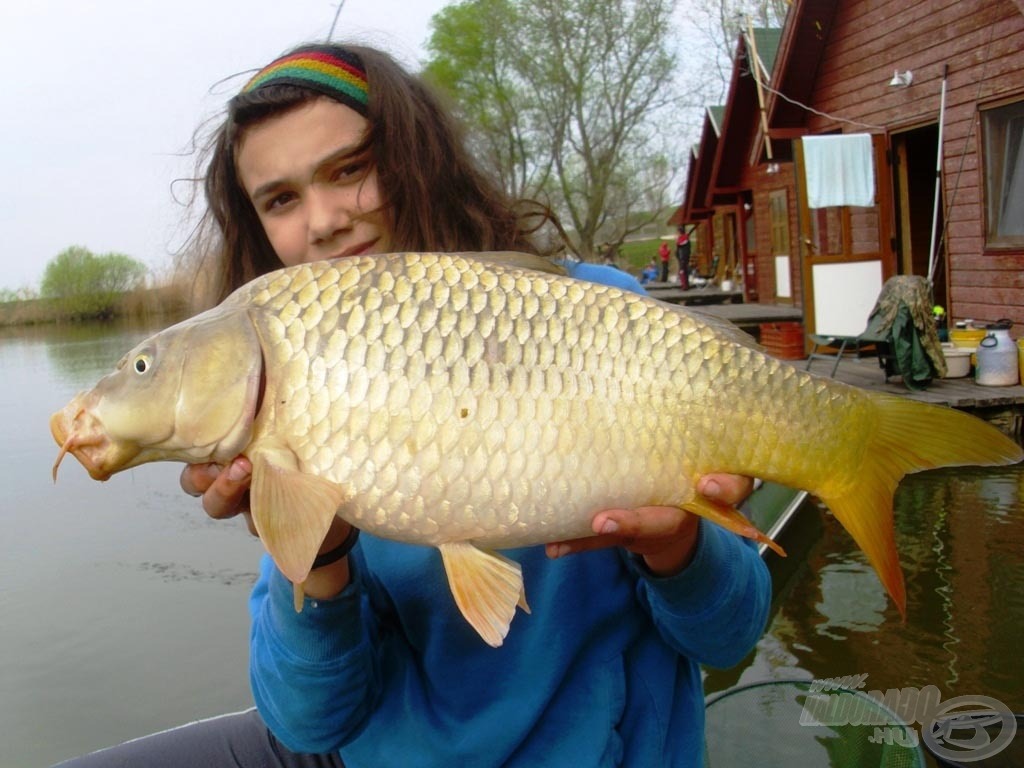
(436,196)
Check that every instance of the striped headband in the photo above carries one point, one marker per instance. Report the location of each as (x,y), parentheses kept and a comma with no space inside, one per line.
(329,70)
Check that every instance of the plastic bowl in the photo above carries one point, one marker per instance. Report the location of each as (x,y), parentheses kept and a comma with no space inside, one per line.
(958,361)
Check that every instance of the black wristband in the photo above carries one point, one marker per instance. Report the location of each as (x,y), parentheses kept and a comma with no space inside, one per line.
(339,551)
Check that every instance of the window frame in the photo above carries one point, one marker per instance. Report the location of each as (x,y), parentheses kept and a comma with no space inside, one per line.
(998,124)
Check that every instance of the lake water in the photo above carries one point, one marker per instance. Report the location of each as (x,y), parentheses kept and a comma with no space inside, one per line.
(125,606)
(960,534)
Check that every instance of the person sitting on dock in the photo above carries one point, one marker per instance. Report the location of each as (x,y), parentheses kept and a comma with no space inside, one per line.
(649,273)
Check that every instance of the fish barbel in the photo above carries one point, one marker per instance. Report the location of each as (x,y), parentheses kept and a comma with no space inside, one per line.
(471,403)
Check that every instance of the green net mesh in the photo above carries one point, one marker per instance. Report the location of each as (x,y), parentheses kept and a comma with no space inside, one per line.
(785,723)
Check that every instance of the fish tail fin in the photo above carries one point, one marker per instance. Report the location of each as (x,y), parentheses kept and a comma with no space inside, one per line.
(910,436)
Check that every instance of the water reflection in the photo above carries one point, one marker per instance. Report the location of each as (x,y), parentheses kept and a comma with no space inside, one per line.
(850,598)
(960,534)
(91,349)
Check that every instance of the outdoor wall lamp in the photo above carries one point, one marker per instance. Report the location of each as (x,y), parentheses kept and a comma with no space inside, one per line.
(901,79)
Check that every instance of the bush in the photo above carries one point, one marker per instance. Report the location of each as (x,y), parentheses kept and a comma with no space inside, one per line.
(83,285)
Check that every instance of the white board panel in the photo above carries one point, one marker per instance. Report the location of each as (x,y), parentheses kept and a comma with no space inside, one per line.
(783,289)
(844,295)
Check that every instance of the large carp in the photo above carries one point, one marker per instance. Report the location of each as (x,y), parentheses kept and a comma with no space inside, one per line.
(470,403)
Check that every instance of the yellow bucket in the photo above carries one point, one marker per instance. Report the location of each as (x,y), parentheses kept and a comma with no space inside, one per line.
(1020,358)
(967,338)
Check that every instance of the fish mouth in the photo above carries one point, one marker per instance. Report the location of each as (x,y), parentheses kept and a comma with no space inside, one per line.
(80,433)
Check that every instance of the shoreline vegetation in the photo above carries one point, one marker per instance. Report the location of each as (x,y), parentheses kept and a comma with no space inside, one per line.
(178,300)
(143,304)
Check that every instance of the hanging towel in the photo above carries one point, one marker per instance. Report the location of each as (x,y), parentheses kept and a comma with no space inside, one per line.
(839,170)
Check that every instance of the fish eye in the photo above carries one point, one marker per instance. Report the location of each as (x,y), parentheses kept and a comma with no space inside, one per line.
(142,363)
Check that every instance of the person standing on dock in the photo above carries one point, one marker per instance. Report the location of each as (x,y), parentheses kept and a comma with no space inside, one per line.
(663,253)
(683,257)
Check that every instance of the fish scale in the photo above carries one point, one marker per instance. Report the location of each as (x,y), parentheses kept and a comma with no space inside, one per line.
(472,402)
(461,398)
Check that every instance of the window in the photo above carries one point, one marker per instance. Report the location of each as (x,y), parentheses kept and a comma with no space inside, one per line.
(826,231)
(778,209)
(1003,132)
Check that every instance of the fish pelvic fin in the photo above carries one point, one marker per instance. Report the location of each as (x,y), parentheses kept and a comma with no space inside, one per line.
(292,510)
(487,588)
(909,437)
(731,519)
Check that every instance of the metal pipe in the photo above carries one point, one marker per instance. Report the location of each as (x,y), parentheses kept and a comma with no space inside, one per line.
(933,255)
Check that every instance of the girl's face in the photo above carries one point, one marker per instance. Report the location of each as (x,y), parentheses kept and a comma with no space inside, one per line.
(314,200)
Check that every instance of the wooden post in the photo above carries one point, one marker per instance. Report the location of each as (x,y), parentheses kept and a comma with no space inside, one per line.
(756,72)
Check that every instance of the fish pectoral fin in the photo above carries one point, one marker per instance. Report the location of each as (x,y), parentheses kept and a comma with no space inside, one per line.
(487,588)
(731,519)
(292,510)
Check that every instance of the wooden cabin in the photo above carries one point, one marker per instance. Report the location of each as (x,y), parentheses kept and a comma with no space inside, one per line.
(925,90)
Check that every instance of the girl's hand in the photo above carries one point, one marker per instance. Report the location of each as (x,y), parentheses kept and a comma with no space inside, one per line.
(666,537)
(225,494)
(224,490)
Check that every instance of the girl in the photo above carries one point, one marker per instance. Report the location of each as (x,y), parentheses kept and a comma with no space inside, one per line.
(332,151)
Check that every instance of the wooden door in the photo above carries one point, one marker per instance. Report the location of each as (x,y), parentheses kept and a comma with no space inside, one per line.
(847,252)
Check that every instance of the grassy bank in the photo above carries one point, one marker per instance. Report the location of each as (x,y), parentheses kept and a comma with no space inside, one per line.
(635,255)
(170,301)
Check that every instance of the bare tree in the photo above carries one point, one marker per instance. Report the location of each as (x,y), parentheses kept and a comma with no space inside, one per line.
(470,59)
(715,27)
(572,100)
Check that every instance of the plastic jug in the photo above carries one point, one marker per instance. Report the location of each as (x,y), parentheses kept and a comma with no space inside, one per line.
(997,357)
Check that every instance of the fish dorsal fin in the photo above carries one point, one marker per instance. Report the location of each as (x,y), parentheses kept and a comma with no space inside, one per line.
(292,510)
(487,588)
(519,260)
(731,519)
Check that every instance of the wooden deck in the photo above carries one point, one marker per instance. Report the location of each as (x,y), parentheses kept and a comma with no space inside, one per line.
(727,305)
(865,372)
(749,316)
(673,294)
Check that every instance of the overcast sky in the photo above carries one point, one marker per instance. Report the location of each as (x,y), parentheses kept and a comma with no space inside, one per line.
(99,102)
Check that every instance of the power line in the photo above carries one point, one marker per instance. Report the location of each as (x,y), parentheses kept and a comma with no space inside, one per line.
(335,22)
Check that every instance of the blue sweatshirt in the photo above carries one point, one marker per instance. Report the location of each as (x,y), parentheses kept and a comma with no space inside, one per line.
(604,672)
(601,273)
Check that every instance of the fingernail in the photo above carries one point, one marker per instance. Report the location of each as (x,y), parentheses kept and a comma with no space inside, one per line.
(238,471)
(609,526)
(711,488)
(555,551)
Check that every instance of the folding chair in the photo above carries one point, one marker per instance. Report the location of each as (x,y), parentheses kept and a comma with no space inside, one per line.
(870,336)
